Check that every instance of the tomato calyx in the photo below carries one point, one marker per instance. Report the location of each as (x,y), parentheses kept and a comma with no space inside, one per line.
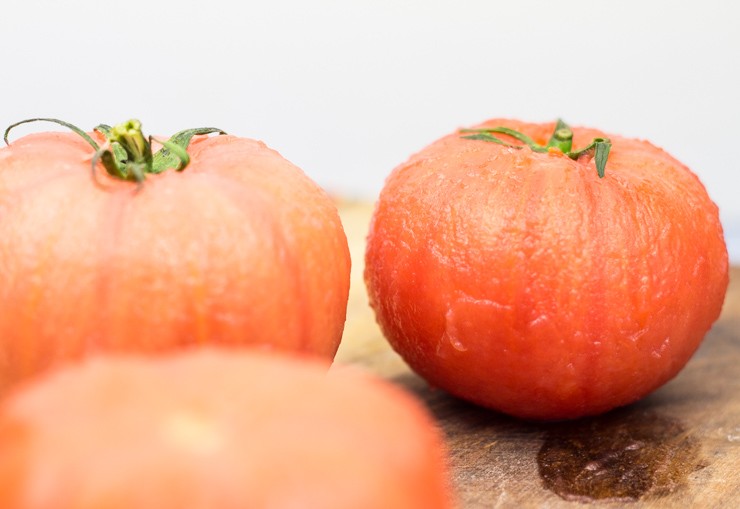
(561,139)
(127,154)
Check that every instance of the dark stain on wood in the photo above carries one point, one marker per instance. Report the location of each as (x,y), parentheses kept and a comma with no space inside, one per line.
(622,456)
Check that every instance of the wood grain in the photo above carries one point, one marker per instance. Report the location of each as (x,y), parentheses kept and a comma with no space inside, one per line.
(494,458)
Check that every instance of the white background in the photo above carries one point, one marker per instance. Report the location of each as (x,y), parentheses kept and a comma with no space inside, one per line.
(349,89)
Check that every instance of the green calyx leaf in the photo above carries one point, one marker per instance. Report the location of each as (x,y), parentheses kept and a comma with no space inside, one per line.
(73,128)
(485,135)
(561,139)
(600,148)
(173,153)
(127,153)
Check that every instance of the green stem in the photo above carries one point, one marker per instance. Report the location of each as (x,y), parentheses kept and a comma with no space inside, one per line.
(138,150)
(561,139)
(127,154)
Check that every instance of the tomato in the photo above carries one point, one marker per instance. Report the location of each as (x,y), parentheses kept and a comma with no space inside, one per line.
(215,429)
(505,270)
(238,248)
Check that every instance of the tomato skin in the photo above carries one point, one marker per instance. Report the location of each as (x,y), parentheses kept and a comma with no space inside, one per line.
(525,283)
(209,428)
(239,248)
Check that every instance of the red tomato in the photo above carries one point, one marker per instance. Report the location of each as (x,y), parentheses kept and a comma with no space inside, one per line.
(240,247)
(208,429)
(518,279)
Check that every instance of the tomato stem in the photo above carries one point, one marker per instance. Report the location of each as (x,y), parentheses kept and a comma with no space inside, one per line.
(127,153)
(561,139)
(138,149)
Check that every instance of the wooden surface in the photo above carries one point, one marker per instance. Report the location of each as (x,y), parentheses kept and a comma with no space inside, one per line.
(679,447)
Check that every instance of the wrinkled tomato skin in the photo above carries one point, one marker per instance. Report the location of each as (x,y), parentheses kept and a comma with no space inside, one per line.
(525,283)
(239,248)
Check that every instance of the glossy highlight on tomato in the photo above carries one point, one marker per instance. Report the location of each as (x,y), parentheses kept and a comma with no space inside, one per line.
(237,248)
(525,282)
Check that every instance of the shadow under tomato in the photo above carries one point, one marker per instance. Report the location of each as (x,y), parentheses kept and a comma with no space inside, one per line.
(625,455)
